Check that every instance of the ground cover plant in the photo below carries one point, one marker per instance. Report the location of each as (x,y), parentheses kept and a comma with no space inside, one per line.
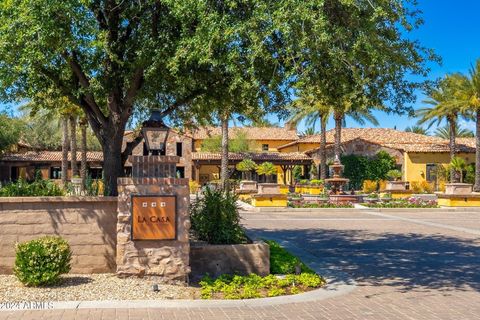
(41,261)
(254,286)
(282,263)
(412,202)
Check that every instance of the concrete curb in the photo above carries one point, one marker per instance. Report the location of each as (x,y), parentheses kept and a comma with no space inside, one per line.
(338,284)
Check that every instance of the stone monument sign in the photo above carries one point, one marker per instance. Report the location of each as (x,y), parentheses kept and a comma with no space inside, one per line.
(154,217)
(153,221)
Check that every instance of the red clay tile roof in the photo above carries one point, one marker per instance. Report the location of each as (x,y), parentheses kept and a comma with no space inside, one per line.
(260,156)
(390,138)
(252,133)
(49,156)
(469,142)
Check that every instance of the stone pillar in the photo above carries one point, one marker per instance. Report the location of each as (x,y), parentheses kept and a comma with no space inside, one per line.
(169,259)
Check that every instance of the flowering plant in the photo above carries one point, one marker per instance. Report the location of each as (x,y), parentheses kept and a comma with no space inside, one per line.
(412,202)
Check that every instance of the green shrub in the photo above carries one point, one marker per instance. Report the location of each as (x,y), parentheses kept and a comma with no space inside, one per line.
(282,261)
(360,168)
(41,261)
(316,182)
(215,218)
(38,188)
(470,174)
(297,172)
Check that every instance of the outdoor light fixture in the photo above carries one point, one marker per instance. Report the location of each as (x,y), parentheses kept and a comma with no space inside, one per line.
(155,133)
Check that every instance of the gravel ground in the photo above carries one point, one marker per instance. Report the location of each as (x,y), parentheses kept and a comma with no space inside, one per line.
(82,287)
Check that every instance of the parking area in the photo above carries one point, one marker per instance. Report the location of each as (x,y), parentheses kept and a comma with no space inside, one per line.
(406,265)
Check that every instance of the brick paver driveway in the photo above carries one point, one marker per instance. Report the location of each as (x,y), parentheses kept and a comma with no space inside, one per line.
(415,265)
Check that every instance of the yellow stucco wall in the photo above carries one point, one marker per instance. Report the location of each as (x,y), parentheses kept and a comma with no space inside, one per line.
(415,164)
(208,173)
(401,195)
(300,147)
(459,202)
(277,201)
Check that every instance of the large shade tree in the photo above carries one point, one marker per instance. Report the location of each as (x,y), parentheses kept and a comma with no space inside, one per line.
(368,57)
(10,132)
(109,56)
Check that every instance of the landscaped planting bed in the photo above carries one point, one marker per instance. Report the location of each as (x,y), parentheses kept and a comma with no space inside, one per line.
(254,286)
(404,203)
(281,281)
(320,205)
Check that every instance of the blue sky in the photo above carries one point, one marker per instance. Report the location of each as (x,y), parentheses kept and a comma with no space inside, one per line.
(452,29)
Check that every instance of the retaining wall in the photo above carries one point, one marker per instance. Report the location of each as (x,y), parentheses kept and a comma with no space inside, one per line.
(89,224)
(229,259)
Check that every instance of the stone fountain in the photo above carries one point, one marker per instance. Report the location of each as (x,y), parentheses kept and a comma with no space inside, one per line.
(337,193)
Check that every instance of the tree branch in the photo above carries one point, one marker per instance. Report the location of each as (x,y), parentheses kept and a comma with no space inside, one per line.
(183,101)
(135,85)
(85,84)
(99,15)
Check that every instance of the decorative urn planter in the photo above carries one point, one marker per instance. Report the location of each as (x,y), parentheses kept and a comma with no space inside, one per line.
(370,200)
(458,188)
(396,185)
(248,185)
(268,188)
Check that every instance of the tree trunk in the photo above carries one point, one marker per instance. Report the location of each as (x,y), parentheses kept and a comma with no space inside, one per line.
(83,160)
(452,122)
(65,144)
(110,135)
(112,162)
(224,161)
(338,133)
(476,187)
(323,151)
(73,146)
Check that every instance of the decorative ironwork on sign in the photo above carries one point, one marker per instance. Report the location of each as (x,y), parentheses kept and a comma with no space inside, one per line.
(154,217)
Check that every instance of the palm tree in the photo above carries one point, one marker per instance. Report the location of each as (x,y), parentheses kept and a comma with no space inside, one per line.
(83,148)
(310,131)
(417,129)
(73,144)
(307,108)
(54,106)
(445,105)
(311,110)
(65,144)
(458,166)
(224,159)
(444,132)
(266,168)
(468,95)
